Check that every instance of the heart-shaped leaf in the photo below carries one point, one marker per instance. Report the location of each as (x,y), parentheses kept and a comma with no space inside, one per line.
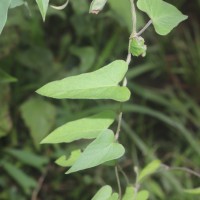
(164,16)
(104,148)
(86,128)
(100,84)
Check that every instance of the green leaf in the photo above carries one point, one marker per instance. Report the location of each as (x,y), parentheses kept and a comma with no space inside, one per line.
(43,6)
(86,128)
(103,194)
(195,191)
(100,84)
(5,118)
(39,116)
(86,55)
(138,47)
(149,169)
(122,12)
(97,5)
(4,6)
(104,148)
(142,195)
(63,162)
(164,16)
(16,3)
(28,158)
(114,196)
(6,78)
(129,193)
(25,181)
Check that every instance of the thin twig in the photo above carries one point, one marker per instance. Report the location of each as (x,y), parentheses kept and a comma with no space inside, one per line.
(119,124)
(124,174)
(128,60)
(118,182)
(39,185)
(144,28)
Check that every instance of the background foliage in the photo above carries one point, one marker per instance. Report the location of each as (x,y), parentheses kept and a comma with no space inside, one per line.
(161,120)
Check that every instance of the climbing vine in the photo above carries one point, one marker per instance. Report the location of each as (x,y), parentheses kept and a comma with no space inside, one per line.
(108,83)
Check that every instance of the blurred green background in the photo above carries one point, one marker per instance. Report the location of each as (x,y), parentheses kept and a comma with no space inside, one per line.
(161,120)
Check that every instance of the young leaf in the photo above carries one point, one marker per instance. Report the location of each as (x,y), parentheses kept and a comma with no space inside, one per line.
(100,84)
(138,47)
(86,128)
(103,193)
(97,5)
(129,193)
(63,162)
(104,148)
(195,191)
(43,6)
(164,16)
(4,6)
(149,169)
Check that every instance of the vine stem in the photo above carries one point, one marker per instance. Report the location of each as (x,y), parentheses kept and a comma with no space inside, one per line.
(118,182)
(134,17)
(144,28)
(128,60)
